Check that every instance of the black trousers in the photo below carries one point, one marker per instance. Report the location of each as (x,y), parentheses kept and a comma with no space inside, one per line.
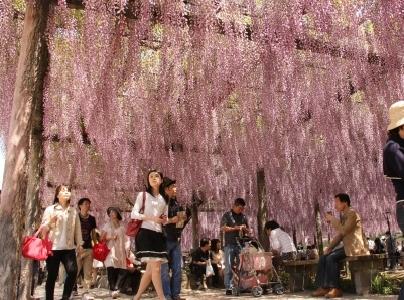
(328,271)
(116,278)
(216,280)
(198,273)
(68,259)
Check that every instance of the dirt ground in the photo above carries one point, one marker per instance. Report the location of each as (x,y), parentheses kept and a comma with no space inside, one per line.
(205,295)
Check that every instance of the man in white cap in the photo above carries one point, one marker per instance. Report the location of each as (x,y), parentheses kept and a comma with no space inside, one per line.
(393,161)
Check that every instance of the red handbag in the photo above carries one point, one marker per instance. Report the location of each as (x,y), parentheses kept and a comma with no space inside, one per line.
(101,251)
(134,225)
(35,248)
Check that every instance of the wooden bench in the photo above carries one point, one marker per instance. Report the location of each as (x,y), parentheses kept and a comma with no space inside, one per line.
(299,272)
(363,269)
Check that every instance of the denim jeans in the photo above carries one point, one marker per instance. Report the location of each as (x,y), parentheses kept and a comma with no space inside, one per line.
(172,286)
(328,269)
(231,258)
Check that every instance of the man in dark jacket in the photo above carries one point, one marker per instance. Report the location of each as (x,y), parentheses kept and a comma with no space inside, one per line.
(393,161)
(178,218)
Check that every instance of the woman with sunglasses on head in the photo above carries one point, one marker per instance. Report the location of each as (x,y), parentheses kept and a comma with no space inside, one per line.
(62,223)
(150,241)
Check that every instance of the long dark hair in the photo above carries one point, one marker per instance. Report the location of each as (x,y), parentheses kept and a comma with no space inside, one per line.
(57,191)
(394,133)
(149,188)
(214,245)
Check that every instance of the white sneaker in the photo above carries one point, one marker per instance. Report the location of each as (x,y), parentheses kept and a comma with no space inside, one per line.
(115,294)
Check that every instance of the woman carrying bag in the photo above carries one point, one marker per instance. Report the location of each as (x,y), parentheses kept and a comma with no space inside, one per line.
(150,242)
(62,223)
(118,243)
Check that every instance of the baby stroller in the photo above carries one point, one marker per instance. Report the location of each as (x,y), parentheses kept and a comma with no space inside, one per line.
(253,271)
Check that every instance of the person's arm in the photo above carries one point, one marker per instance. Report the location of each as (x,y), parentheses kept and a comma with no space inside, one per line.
(197,258)
(77,233)
(352,219)
(135,214)
(274,243)
(395,159)
(48,221)
(106,233)
(334,242)
(225,225)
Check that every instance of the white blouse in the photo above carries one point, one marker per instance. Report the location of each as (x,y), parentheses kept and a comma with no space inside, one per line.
(154,206)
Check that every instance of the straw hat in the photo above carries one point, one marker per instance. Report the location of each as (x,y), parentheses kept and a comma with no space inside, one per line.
(396,115)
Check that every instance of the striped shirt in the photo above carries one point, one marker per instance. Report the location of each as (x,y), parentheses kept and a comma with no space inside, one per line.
(281,241)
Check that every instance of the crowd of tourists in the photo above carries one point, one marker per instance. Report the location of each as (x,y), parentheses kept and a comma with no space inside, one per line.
(158,242)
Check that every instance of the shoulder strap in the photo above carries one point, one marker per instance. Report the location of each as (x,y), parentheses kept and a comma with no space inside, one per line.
(231,217)
(143,203)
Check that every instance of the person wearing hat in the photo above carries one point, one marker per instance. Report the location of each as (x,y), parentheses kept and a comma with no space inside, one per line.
(393,157)
(119,244)
(85,259)
(393,160)
(178,217)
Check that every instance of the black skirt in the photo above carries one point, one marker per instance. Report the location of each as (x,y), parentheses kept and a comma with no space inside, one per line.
(151,246)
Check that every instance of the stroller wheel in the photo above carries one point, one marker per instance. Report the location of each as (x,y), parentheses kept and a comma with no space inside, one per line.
(235,291)
(257,291)
(278,289)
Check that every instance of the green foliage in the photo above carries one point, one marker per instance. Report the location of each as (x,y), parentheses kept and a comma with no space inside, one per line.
(384,285)
(19,5)
(358,96)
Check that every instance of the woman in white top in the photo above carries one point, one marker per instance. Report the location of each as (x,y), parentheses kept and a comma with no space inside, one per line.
(150,241)
(62,223)
(118,244)
(281,243)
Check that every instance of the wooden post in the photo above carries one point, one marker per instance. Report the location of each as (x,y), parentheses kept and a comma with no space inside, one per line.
(195,220)
(294,237)
(319,233)
(20,181)
(262,214)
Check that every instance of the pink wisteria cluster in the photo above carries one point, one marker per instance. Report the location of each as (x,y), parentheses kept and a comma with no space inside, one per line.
(210,92)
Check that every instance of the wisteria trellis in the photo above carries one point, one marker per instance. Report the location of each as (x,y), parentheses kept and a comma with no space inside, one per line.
(210,91)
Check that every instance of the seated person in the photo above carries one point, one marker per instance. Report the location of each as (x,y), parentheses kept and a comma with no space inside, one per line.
(281,243)
(349,231)
(378,247)
(199,260)
(217,263)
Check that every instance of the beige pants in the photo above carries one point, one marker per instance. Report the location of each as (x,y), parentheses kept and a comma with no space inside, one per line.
(85,262)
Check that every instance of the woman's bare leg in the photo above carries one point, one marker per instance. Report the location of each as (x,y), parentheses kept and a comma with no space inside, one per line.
(156,278)
(144,282)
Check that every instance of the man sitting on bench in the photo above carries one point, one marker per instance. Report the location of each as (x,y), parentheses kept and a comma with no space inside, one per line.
(349,231)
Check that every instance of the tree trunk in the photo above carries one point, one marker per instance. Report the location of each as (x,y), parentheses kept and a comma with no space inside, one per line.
(319,232)
(195,225)
(262,213)
(24,149)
